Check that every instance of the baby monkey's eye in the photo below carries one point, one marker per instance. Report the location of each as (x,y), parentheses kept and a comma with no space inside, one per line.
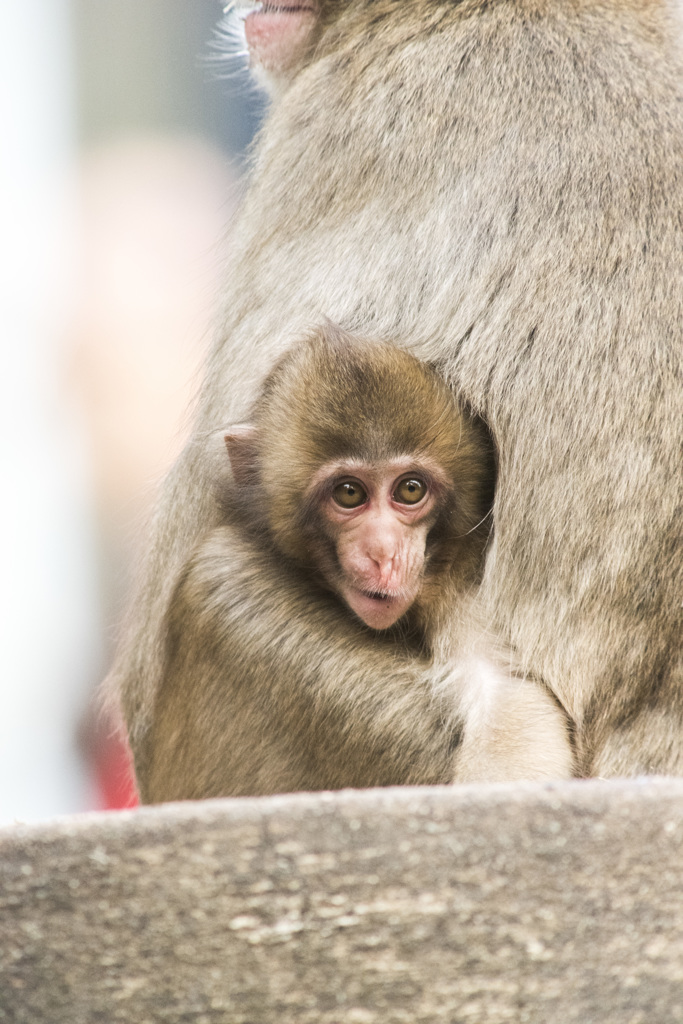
(349,494)
(410,491)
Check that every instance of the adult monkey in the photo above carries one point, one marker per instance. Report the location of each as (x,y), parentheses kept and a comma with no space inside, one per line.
(498,187)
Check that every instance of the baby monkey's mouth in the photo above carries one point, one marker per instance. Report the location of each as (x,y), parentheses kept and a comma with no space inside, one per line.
(378,609)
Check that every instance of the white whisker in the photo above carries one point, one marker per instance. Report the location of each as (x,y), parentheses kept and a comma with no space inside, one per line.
(229,60)
(476,525)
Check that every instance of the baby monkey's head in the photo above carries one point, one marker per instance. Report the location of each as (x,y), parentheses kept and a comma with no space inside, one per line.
(371,472)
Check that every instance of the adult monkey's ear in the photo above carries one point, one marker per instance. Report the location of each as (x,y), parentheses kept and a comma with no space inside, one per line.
(241,440)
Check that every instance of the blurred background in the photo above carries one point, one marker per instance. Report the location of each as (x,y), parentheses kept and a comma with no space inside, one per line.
(123,141)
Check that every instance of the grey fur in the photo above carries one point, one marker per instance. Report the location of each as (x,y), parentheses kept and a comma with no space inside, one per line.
(498,186)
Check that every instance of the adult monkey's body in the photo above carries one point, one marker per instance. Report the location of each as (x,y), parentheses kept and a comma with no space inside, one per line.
(499,187)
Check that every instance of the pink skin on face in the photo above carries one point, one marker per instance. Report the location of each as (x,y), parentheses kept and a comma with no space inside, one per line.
(381,543)
(278,32)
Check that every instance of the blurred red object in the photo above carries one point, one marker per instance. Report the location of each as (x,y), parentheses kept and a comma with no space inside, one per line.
(112,767)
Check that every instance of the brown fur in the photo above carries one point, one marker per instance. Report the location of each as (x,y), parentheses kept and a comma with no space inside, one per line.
(496,186)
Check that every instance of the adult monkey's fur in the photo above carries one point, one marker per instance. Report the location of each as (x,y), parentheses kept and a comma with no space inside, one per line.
(499,187)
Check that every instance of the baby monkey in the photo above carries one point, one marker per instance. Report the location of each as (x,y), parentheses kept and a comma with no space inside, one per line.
(361,466)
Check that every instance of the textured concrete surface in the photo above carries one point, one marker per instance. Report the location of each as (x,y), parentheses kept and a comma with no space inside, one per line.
(536,903)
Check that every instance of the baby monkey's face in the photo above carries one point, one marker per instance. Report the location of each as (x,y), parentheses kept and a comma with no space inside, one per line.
(365,470)
(377,517)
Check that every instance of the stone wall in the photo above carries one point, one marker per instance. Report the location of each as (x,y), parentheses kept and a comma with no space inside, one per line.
(545,904)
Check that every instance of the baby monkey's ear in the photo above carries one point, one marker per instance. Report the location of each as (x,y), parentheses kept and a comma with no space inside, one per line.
(242,444)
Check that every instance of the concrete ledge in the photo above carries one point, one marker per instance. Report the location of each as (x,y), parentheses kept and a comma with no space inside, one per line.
(535,903)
